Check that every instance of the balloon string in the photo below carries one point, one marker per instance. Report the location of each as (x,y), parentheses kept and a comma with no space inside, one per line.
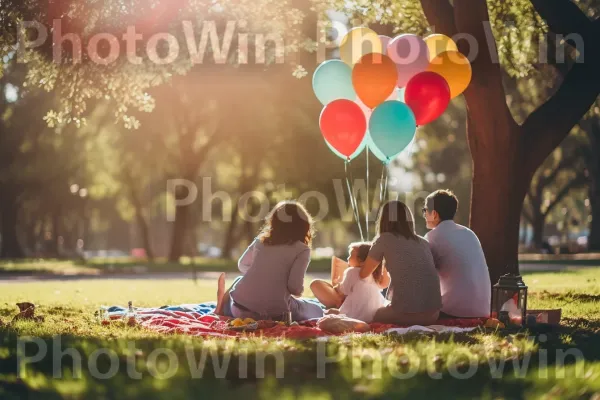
(353,202)
(383,186)
(356,207)
(381,195)
(368,210)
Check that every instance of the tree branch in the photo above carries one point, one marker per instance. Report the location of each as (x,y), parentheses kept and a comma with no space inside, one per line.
(489,117)
(530,194)
(563,17)
(547,126)
(565,163)
(526,211)
(384,29)
(579,180)
(561,67)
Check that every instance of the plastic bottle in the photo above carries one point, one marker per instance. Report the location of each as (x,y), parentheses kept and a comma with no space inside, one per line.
(101,314)
(131,315)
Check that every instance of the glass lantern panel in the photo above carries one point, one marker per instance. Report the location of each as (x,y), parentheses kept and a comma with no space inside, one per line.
(511,302)
(520,300)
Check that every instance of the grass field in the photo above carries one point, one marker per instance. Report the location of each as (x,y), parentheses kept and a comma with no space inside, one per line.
(495,364)
(98,266)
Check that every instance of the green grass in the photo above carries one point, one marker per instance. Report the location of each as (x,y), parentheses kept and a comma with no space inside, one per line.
(98,266)
(69,306)
(45,267)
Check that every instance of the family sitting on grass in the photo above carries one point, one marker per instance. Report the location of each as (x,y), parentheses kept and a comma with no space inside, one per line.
(443,275)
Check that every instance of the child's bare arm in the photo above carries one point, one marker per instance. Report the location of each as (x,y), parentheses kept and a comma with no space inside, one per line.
(386,279)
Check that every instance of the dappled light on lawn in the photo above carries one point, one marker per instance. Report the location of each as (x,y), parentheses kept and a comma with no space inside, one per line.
(68,309)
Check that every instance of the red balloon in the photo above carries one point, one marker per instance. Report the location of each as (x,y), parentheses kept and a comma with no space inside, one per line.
(343,124)
(428,95)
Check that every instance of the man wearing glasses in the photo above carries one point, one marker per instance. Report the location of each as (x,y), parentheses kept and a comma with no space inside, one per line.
(459,259)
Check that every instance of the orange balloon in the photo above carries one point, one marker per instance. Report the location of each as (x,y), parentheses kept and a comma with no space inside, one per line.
(374,78)
(455,68)
(437,44)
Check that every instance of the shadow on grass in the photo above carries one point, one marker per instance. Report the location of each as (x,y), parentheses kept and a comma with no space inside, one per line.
(253,369)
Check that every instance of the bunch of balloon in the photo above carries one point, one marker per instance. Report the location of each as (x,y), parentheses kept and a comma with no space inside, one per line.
(383,88)
(388,83)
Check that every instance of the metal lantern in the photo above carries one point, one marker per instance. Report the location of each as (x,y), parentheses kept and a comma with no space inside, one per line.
(509,300)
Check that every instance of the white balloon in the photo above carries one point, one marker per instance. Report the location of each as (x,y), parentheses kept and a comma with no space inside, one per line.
(385,41)
(411,55)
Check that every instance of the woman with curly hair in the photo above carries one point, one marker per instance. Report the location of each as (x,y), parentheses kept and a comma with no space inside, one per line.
(273,268)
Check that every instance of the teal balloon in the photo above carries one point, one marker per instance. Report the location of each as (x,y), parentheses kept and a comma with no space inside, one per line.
(392,127)
(375,150)
(333,81)
(353,155)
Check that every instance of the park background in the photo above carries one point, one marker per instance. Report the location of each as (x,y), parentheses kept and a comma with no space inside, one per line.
(86,152)
(86,178)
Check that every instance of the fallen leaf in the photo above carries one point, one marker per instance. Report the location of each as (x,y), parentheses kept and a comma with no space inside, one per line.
(27,313)
(25,306)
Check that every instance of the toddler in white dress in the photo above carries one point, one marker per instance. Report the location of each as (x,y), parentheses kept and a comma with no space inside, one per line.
(356,298)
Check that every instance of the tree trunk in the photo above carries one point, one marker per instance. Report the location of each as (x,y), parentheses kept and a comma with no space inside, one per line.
(496,203)
(31,237)
(506,155)
(593,167)
(231,238)
(499,183)
(179,230)
(145,232)
(594,194)
(140,219)
(9,208)
(142,224)
(495,140)
(56,233)
(248,180)
(180,226)
(538,230)
(30,233)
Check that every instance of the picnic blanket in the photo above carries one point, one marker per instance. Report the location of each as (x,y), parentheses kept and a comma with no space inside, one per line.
(200,320)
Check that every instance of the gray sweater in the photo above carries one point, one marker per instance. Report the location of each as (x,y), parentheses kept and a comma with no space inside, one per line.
(272,274)
(415,283)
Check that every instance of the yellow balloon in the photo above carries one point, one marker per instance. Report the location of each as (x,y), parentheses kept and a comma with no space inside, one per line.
(438,44)
(455,68)
(357,43)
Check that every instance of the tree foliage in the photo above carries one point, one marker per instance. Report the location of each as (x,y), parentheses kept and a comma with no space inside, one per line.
(518,29)
(126,85)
